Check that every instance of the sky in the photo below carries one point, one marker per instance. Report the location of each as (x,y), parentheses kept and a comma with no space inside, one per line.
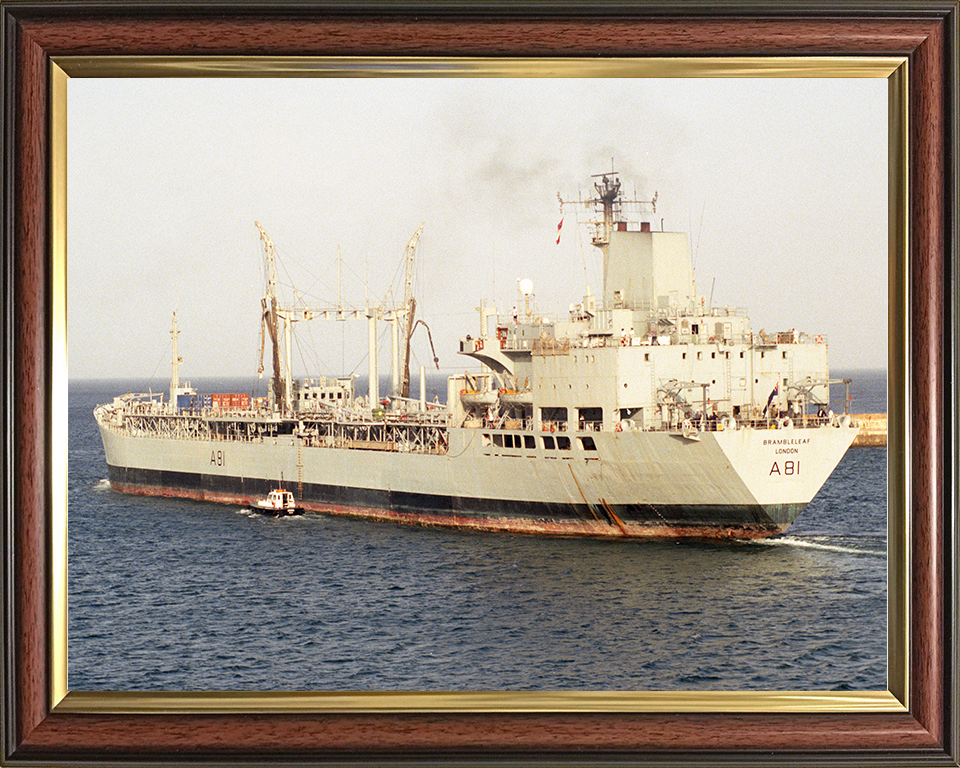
(782,185)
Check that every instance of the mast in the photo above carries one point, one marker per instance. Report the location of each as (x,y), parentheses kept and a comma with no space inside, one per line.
(374,384)
(288,353)
(609,206)
(174,363)
(608,196)
(409,309)
(395,352)
(423,390)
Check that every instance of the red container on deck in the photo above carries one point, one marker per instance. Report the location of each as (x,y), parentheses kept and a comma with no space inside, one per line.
(231,401)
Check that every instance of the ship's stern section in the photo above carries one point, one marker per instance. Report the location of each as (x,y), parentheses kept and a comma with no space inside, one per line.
(784,468)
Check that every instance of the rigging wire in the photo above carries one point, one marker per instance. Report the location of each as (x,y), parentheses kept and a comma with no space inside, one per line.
(283,259)
(156,368)
(319,364)
(696,250)
(583,254)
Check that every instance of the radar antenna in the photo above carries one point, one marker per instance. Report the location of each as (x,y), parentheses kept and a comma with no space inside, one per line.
(608,205)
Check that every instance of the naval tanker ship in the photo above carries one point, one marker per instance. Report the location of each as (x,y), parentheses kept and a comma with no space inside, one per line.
(645,412)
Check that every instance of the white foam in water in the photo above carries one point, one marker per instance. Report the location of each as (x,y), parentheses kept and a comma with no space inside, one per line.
(789,541)
(102,485)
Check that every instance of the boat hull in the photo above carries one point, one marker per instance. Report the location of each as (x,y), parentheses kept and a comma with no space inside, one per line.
(483,514)
(656,485)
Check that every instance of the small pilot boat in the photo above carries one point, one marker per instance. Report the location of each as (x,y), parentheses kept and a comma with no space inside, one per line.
(278,503)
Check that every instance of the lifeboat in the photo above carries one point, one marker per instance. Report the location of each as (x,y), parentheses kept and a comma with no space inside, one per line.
(513,398)
(474,399)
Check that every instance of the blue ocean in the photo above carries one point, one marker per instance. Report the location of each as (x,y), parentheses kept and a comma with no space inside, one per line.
(179,595)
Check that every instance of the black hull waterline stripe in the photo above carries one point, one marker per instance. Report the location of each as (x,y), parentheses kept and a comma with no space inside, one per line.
(769,517)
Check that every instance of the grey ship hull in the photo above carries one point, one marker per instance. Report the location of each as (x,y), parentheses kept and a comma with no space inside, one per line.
(740,484)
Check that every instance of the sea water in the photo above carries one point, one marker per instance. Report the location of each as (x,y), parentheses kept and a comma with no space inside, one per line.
(178,595)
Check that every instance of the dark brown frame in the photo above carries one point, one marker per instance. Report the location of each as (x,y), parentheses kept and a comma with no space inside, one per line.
(925,32)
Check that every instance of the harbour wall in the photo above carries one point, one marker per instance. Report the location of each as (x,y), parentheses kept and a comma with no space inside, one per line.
(873,430)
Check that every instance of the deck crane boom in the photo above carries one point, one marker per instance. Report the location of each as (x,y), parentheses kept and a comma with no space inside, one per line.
(409,308)
(271,315)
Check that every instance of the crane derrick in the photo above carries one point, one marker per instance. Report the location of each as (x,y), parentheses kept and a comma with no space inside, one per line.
(271,315)
(409,308)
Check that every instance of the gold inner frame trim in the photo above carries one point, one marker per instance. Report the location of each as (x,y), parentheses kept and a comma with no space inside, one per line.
(58,383)
(894,69)
(129,702)
(412,66)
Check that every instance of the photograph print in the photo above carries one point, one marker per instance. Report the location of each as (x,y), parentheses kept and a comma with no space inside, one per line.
(459,384)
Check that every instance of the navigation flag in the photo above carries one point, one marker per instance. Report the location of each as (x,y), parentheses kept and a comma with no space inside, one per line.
(776,391)
(559,227)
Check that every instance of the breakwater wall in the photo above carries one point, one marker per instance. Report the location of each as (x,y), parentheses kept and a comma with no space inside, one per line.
(873,430)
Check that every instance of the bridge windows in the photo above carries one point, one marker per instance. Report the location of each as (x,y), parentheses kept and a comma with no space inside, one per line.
(512,444)
(560,442)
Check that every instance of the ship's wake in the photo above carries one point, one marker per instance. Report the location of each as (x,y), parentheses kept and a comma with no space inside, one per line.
(867,547)
(101,485)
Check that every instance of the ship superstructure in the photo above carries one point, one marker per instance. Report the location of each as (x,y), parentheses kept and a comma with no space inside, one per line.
(650,353)
(647,411)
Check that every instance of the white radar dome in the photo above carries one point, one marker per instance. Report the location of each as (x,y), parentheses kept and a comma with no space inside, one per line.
(526,286)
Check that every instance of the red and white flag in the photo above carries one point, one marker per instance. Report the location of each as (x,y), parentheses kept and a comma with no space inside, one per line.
(559,227)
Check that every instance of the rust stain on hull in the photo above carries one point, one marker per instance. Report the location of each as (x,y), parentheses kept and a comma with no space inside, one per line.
(580,529)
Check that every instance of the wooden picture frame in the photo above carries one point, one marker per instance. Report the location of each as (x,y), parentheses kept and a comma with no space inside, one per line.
(38,728)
